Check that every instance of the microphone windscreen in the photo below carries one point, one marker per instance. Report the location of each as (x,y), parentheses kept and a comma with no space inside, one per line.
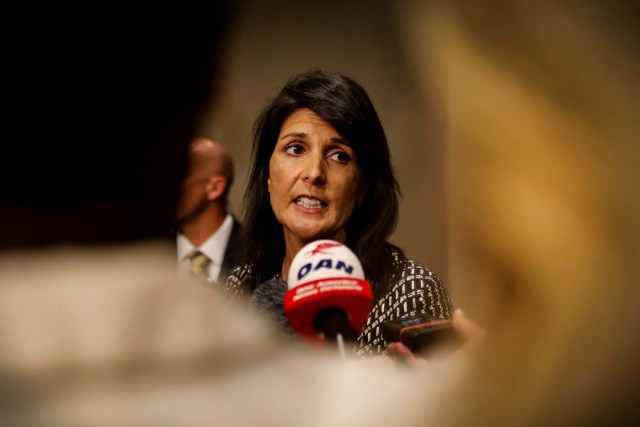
(327,274)
(268,299)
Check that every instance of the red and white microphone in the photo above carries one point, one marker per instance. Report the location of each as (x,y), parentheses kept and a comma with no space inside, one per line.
(328,297)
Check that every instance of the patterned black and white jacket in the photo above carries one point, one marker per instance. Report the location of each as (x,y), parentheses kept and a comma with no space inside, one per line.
(413,289)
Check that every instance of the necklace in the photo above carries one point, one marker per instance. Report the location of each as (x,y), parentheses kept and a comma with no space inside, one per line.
(278,276)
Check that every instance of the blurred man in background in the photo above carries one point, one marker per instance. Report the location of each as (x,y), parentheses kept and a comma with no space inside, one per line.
(209,236)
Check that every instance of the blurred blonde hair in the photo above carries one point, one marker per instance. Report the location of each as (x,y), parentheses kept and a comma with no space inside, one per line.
(542,115)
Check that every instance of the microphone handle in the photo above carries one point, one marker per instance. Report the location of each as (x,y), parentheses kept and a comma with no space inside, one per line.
(341,349)
(331,321)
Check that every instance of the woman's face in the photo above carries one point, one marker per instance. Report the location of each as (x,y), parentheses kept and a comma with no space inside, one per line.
(314,179)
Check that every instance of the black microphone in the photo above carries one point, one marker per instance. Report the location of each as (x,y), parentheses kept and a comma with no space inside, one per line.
(268,299)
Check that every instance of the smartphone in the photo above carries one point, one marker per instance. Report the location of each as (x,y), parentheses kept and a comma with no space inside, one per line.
(422,332)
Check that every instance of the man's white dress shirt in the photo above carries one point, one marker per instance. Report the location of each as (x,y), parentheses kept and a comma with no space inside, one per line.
(214,248)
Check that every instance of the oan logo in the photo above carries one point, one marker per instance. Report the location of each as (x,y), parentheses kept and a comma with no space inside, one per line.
(323,259)
(322,248)
(325,263)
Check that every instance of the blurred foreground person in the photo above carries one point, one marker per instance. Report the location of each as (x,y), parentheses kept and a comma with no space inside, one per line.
(208,242)
(95,327)
(542,103)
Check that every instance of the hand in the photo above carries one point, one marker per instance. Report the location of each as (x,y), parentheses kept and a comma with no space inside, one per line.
(474,337)
(472,334)
(402,353)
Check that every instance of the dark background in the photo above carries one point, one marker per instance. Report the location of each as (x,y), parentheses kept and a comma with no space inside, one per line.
(99,104)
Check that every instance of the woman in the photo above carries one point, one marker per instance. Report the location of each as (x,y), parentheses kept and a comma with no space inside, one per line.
(321,169)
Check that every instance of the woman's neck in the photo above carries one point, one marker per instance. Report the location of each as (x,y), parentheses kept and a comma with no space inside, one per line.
(291,249)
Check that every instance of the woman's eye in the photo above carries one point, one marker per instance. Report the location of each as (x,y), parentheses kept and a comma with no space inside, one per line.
(340,157)
(294,149)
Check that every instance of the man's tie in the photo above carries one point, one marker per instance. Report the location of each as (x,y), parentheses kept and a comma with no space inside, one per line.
(199,263)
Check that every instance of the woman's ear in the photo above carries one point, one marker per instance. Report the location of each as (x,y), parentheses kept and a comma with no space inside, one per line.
(269,185)
(216,187)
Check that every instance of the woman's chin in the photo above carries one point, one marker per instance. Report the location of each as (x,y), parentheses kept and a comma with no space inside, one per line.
(308,235)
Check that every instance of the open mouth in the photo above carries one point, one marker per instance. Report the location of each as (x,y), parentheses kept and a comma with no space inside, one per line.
(310,203)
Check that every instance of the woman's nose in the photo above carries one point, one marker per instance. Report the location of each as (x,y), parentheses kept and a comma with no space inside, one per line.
(314,170)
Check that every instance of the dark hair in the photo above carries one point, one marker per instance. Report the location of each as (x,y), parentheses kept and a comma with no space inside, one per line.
(110,167)
(346,106)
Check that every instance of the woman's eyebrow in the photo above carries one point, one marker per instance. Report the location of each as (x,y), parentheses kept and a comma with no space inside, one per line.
(340,140)
(294,135)
(302,135)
